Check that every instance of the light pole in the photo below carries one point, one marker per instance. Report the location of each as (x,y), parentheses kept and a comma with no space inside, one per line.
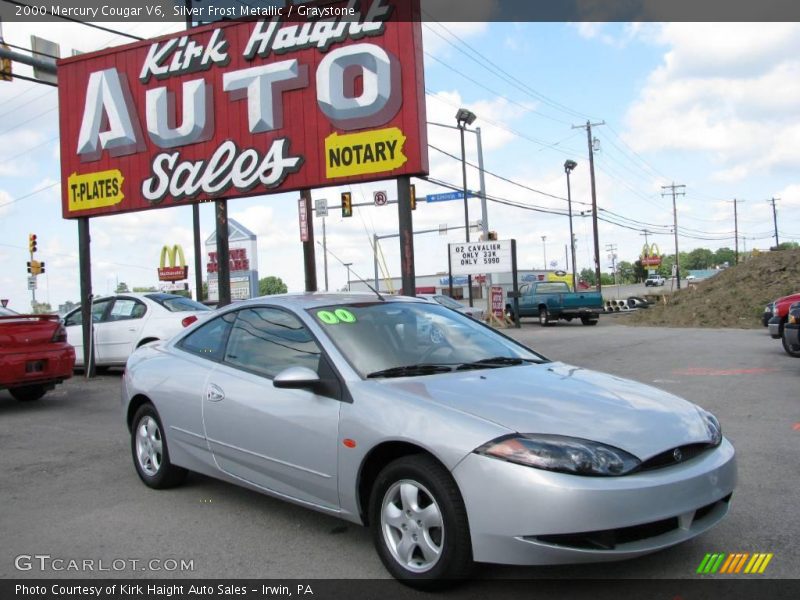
(569,165)
(465,117)
(348,265)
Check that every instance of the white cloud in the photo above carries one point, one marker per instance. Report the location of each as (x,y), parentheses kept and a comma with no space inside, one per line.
(731,90)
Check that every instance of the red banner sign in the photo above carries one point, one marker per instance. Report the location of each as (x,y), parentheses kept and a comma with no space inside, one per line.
(245,108)
(498,306)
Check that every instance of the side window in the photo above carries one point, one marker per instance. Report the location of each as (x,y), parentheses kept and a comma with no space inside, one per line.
(268,340)
(99,309)
(125,309)
(75,318)
(208,340)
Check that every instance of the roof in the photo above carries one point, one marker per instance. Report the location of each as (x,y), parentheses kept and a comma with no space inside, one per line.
(236,232)
(318,299)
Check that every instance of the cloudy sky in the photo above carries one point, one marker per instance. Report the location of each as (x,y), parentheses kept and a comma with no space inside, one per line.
(711,106)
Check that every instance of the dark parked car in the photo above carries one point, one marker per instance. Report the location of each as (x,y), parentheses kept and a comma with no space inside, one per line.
(791,331)
(769,312)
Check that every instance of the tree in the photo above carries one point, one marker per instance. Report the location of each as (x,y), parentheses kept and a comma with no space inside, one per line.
(145,289)
(626,272)
(271,285)
(725,255)
(587,275)
(640,273)
(122,287)
(788,246)
(699,258)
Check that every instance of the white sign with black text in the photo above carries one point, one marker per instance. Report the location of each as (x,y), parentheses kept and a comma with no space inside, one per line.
(473,258)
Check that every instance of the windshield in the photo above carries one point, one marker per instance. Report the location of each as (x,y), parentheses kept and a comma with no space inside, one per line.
(374,337)
(6,312)
(177,303)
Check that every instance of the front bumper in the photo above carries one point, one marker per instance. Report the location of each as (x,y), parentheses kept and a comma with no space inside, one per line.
(525,516)
(774,326)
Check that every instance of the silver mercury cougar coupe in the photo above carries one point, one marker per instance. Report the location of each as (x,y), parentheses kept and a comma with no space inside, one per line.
(453,442)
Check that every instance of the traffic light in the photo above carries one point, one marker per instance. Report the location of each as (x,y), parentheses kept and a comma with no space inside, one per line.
(347,204)
(32,242)
(35,267)
(413,198)
(29,267)
(41,268)
(492,235)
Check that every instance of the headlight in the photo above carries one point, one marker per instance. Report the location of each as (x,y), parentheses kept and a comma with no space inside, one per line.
(712,425)
(793,319)
(562,454)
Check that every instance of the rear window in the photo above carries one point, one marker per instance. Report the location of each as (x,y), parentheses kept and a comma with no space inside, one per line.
(175,303)
(551,288)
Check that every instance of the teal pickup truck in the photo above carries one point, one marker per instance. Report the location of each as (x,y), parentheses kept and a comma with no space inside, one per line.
(553,300)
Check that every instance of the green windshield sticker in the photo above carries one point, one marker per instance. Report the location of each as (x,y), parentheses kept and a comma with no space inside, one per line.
(340,315)
(345,316)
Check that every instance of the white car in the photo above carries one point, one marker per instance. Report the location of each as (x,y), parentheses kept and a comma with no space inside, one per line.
(470,311)
(126,321)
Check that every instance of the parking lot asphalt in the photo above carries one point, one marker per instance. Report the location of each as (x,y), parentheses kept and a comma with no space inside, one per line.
(68,488)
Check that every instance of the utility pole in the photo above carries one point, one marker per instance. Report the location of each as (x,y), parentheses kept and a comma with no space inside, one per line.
(735,230)
(325,252)
(674,189)
(775,221)
(612,254)
(588,127)
(544,250)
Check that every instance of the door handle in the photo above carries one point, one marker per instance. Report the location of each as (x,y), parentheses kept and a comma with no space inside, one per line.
(214,393)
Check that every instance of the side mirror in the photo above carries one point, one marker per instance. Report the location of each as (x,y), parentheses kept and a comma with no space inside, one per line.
(296,378)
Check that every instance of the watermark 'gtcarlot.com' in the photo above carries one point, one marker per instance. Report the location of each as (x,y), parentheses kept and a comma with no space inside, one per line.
(46,562)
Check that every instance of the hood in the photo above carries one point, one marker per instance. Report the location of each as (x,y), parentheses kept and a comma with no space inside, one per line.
(560,399)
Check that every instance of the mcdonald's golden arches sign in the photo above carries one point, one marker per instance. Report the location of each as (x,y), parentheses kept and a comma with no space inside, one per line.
(177,269)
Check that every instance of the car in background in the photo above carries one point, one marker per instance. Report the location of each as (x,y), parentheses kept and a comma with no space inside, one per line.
(654,281)
(780,314)
(34,354)
(456,447)
(791,331)
(470,311)
(767,314)
(125,321)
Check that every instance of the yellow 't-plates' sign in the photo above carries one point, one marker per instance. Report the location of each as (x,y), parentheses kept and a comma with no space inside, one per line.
(366,152)
(95,190)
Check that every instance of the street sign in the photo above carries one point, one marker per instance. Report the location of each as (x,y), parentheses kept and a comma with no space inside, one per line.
(498,307)
(674,270)
(473,258)
(321,207)
(447,196)
(301,206)
(4,302)
(32,282)
(380,198)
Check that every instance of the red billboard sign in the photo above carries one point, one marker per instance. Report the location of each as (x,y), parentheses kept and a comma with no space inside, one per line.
(244,108)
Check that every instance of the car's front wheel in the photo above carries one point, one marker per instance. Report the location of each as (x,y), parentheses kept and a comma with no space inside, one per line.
(544,317)
(150,452)
(791,349)
(28,393)
(419,523)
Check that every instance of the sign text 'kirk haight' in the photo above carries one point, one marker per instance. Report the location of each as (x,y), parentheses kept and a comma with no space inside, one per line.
(265,106)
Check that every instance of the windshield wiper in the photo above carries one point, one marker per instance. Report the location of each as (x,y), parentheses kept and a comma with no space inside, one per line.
(495,362)
(421,369)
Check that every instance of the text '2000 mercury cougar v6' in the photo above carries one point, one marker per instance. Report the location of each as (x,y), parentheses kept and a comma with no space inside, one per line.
(452,442)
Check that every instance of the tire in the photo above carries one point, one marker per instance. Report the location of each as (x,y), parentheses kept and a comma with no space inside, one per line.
(588,321)
(150,452)
(790,350)
(401,500)
(28,393)
(544,317)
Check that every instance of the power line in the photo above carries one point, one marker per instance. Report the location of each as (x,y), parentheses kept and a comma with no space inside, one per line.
(28,195)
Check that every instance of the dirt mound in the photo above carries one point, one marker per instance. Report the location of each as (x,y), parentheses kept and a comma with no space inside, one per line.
(734,298)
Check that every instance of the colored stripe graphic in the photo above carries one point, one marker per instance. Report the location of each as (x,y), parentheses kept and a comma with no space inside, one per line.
(720,562)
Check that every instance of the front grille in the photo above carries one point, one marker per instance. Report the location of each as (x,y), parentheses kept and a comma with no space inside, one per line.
(609,539)
(666,459)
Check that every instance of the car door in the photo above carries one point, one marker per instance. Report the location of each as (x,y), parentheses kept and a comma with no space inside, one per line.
(284,440)
(117,334)
(73,324)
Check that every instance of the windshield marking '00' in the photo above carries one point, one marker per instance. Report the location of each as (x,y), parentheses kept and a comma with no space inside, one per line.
(379,336)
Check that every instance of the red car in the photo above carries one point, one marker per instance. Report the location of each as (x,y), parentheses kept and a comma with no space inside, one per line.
(34,354)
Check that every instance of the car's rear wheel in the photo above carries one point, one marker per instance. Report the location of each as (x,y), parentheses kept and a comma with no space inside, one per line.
(588,321)
(419,523)
(150,452)
(28,393)
(791,349)
(544,317)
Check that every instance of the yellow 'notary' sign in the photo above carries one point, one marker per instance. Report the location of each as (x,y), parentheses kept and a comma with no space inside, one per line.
(95,190)
(374,151)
